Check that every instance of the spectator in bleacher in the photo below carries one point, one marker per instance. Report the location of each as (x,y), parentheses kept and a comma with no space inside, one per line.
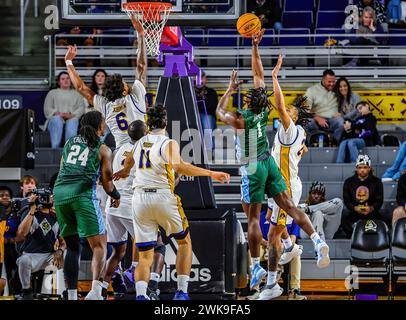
(63,107)
(397,13)
(347,99)
(42,245)
(362,194)
(378,8)
(368,27)
(98,81)
(207,100)
(394,171)
(268,11)
(323,102)
(400,211)
(325,215)
(295,264)
(358,134)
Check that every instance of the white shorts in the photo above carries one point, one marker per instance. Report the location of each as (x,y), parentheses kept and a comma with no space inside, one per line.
(280,217)
(119,222)
(157,209)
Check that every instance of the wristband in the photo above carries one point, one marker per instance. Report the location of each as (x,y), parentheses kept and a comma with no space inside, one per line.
(68,62)
(114,194)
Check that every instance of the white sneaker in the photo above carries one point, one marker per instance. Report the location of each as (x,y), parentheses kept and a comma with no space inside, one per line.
(270,293)
(323,260)
(387,179)
(92,295)
(288,256)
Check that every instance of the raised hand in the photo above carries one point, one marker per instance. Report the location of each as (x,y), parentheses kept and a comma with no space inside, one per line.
(71,53)
(137,25)
(278,66)
(256,39)
(234,82)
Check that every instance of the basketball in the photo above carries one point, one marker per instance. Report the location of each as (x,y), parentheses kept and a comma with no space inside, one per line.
(248,25)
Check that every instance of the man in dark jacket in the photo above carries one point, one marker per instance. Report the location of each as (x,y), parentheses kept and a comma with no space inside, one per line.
(268,11)
(363,195)
(400,212)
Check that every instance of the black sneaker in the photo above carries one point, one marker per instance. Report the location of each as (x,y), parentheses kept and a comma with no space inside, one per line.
(153,294)
(26,294)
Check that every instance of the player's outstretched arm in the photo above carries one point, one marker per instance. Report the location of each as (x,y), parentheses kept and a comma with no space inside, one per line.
(125,172)
(279,99)
(107,176)
(172,154)
(256,62)
(77,82)
(229,117)
(142,62)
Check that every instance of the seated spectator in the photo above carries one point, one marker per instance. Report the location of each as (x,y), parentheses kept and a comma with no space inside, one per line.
(368,26)
(358,134)
(268,11)
(400,212)
(363,195)
(378,8)
(324,215)
(397,13)
(207,100)
(347,99)
(295,264)
(98,81)
(9,221)
(322,100)
(63,107)
(39,232)
(394,171)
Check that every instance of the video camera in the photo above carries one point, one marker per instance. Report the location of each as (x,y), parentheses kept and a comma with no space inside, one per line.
(44,197)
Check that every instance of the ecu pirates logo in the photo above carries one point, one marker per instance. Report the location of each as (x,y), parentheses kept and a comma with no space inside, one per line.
(370,226)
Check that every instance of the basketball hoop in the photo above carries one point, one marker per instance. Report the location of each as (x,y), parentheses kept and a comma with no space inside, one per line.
(153,17)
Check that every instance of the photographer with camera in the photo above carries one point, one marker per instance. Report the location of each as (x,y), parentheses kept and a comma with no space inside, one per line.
(40,232)
(363,196)
(9,221)
(27,184)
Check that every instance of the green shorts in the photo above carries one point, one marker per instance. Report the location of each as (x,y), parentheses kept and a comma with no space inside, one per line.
(81,216)
(260,178)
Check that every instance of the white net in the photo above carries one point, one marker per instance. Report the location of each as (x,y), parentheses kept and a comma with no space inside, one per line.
(153,18)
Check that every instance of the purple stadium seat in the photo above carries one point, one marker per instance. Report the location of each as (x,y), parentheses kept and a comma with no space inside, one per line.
(299,5)
(330,19)
(329,5)
(198,36)
(266,41)
(294,41)
(319,41)
(297,19)
(397,41)
(224,41)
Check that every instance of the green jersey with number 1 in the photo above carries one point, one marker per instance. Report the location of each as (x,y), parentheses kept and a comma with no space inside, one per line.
(253,142)
(79,171)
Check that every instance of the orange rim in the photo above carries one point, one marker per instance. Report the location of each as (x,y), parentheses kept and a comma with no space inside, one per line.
(141,6)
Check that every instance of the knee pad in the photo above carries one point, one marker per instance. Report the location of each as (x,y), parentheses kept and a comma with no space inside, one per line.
(160,248)
(73,242)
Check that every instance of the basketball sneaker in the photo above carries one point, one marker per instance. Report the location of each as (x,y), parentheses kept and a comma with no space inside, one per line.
(257,274)
(270,292)
(117,282)
(295,294)
(153,294)
(128,276)
(142,298)
(93,295)
(180,295)
(294,251)
(323,259)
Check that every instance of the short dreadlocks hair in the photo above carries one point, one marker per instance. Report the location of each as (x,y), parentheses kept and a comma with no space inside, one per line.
(157,117)
(303,113)
(258,100)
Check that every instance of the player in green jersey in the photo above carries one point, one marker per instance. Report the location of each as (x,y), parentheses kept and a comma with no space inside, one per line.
(84,158)
(260,173)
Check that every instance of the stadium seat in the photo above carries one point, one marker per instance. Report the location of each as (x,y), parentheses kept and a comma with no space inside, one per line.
(267,40)
(294,41)
(336,5)
(389,140)
(370,251)
(299,5)
(297,19)
(398,247)
(397,41)
(319,41)
(330,19)
(229,38)
(197,38)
